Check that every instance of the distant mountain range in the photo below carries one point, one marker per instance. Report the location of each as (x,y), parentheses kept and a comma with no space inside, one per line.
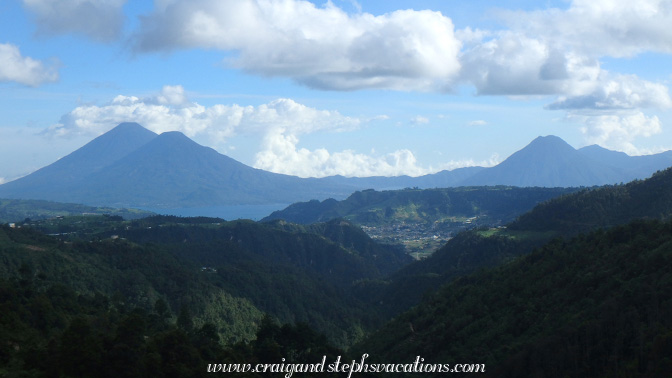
(549,161)
(131,166)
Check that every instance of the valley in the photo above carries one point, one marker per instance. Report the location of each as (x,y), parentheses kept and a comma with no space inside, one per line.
(337,189)
(240,288)
(569,275)
(422,220)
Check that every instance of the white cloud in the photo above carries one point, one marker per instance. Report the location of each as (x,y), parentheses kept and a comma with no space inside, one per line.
(515,64)
(171,110)
(617,130)
(601,27)
(478,122)
(618,92)
(101,20)
(172,95)
(278,124)
(550,52)
(320,47)
(557,53)
(454,164)
(280,154)
(24,70)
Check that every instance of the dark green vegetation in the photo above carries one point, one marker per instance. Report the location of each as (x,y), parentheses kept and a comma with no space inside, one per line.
(51,330)
(579,286)
(604,207)
(422,219)
(594,306)
(479,248)
(587,302)
(164,296)
(19,210)
(226,273)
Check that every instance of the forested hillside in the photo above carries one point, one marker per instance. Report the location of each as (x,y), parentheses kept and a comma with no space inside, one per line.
(480,248)
(422,220)
(595,306)
(603,207)
(517,298)
(198,287)
(51,330)
(294,273)
(491,204)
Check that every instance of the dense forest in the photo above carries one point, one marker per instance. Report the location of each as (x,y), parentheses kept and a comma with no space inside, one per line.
(597,305)
(52,331)
(579,286)
(603,207)
(487,247)
(228,273)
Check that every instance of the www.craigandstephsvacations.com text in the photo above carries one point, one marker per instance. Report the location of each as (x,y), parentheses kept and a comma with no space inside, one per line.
(417,366)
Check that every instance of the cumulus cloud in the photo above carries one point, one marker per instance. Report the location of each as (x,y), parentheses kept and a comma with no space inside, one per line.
(514,64)
(557,53)
(101,20)
(25,70)
(279,125)
(280,154)
(618,92)
(601,27)
(171,110)
(321,47)
(617,130)
(166,111)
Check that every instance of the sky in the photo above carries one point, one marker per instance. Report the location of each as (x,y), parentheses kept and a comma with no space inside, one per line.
(356,88)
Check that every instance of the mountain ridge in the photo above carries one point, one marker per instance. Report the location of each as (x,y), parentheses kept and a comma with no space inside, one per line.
(547,161)
(93,156)
(130,166)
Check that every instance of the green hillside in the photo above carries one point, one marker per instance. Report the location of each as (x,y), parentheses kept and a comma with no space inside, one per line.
(294,273)
(595,306)
(370,207)
(135,275)
(555,293)
(198,287)
(422,220)
(604,207)
(488,247)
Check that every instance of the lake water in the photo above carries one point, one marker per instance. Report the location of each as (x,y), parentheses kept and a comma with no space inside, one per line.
(254,212)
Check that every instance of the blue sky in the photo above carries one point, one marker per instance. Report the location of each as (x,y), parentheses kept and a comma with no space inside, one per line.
(341,87)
